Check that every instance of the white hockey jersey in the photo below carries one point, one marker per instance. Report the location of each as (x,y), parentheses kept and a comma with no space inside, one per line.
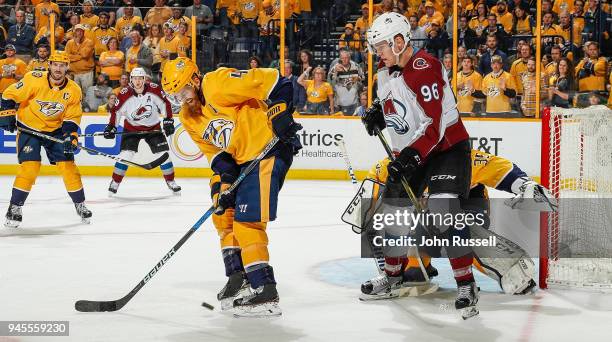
(142,112)
(419,106)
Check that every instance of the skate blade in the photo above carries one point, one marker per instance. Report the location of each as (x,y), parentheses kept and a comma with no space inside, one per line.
(11,224)
(469,312)
(228,303)
(258,311)
(419,290)
(387,295)
(86,220)
(111,194)
(176,193)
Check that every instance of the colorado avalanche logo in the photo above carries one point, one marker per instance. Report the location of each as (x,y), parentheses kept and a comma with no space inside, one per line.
(219,132)
(393,117)
(420,64)
(50,108)
(142,113)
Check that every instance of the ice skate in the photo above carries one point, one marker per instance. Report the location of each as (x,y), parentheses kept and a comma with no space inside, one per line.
(467,298)
(83,212)
(381,287)
(176,189)
(237,286)
(13,216)
(261,302)
(112,188)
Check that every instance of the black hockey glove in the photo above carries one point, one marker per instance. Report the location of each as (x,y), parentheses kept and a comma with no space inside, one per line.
(168,124)
(404,165)
(224,200)
(70,142)
(280,120)
(7,120)
(109,132)
(374,118)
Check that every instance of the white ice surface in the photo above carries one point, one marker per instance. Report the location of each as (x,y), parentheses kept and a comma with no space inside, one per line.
(53,260)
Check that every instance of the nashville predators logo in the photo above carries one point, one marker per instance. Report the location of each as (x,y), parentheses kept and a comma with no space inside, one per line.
(249,6)
(395,119)
(219,132)
(464,91)
(50,108)
(493,91)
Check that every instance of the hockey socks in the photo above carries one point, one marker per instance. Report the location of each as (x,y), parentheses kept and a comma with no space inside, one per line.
(232,259)
(119,172)
(462,268)
(168,171)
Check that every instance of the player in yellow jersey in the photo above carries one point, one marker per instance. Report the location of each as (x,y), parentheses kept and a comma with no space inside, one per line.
(50,104)
(232,115)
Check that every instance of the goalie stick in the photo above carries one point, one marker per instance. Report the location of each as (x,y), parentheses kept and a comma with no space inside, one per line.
(377,252)
(124,133)
(114,305)
(148,166)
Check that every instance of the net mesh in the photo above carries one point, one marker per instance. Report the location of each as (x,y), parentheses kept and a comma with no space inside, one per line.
(580,233)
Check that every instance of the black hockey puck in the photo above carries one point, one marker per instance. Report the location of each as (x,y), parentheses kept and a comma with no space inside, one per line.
(208,306)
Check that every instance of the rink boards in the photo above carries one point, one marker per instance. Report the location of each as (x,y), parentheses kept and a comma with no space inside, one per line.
(516,139)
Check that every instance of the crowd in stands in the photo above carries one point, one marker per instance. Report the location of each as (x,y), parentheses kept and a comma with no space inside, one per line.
(106,39)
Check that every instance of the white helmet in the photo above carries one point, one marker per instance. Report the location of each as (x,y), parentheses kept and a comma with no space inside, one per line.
(385,28)
(138,72)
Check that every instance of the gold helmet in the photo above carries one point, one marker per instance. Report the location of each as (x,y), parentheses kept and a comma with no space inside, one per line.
(59,56)
(177,74)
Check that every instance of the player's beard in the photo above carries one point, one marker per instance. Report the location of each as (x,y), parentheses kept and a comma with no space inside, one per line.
(57,76)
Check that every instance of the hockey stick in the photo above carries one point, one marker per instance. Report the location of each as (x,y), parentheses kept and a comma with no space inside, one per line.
(148,166)
(114,305)
(377,253)
(124,133)
(410,193)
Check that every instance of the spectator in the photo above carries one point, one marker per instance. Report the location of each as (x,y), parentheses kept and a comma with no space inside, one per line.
(6,19)
(21,36)
(547,8)
(519,67)
(504,17)
(128,3)
(349,39)
(551,68)
(154,37)
(430,15)
(362,23)
(80,50)
(12,68)
(74,21)
(511,59)
(125,24)
(522,22)
(222,12)
(484,66)
(591,70)
(437,39)
(346,78)
(168,46)
(43,36)
(247,11)
(203,14)
(319,94)
(275,64)
(549,28)
(183,46)
(306,61)
(570,33)
(479,21)
(108,7)
(138,55)
(498,87)
(103,34)
(42,12)
(124,81)
(468,82)
(97,95)
(494,29)
(178,18)
(299,93)
(40,62)
(562,85)
(159,14)
(528,87)
(254,62)
(268,32)
(447,62)
(112,62)
(461,53)
(363,104)
(29,11)
(111,99)
(418,36)
(88,19)
(467,36)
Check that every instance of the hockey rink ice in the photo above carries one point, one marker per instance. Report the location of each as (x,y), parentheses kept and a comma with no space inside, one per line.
(54,260)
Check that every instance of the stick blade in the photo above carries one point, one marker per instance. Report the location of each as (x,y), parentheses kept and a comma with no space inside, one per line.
(157,162)
(94,306)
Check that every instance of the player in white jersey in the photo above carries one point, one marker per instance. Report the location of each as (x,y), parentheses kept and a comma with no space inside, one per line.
(416,104)
(142,104)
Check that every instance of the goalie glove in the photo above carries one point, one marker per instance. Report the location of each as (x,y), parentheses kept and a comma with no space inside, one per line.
(533,197)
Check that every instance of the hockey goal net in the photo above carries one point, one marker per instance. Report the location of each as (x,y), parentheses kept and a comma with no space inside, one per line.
(576,241)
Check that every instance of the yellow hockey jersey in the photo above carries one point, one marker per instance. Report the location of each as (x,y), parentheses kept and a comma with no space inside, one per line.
(233,120)
(497,101)
(470,82)
(43,107)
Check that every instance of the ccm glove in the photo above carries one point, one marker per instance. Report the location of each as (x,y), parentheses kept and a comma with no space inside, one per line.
(7,120)
(168,124)
(374,118)
(404,165)
(110,131)
(280,119)
(223,199)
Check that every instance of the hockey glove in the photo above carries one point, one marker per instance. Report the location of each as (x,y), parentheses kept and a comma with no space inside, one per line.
(168,124)
(109,132)
(70,142)
(374,118)
(7,120)
(404,165)
(280,120)
(222,199)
